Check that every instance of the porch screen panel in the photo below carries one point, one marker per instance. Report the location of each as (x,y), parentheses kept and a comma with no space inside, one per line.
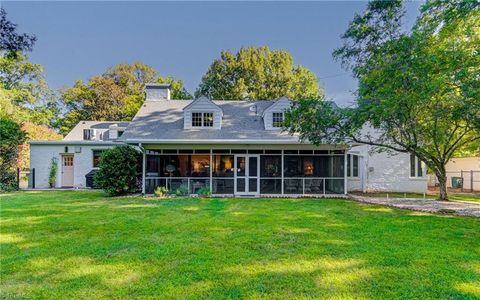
(337,165)
(270,186)
(270,166)
(313,186)
(200,165)
(153,165)
(334,186)
(174,165)
(270,174)
(223,172)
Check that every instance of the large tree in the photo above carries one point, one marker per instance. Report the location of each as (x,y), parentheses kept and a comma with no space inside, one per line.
(115,95)
(10,40)
(419,90)
(24,94)
(25,99)
(258,74)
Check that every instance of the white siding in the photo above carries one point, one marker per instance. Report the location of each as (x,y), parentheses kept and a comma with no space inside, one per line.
(386,172)
(41,157)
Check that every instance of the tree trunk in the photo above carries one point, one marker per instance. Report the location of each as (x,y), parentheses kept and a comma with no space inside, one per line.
(442,184)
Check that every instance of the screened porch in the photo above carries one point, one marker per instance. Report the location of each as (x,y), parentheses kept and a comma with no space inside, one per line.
(246,172)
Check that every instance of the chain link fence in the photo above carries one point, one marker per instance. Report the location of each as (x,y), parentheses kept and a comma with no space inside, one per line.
(464,180)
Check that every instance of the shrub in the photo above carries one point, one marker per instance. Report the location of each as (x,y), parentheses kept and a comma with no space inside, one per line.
(117,173)
(204,192)
(160,191)
(182,190)
(52,176)
(11,137)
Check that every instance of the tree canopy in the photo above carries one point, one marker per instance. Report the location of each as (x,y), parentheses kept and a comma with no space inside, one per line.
(11,41)
(418,90)
(25,98)
(258,74)
(115,95)
(11,137)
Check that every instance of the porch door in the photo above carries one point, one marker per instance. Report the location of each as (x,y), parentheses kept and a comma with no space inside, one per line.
(247,169)
(67,170)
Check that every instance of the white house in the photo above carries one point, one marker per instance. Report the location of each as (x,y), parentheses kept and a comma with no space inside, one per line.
(232,147)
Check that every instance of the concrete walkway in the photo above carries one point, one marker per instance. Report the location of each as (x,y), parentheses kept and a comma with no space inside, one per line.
(432,206)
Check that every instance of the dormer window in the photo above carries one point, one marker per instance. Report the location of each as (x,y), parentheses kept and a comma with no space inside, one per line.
(277,119)
(89,134)
(202,119)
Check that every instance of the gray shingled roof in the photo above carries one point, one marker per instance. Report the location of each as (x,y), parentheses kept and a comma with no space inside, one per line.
(163,120)
(76,133)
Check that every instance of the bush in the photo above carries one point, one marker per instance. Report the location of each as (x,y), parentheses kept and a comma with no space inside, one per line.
(160,191)
(182,190)
(204,192)
(117,173)
(52,177)
(11,137)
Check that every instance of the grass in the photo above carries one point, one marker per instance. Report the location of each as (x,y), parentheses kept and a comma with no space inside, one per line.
(68,244)
(452,197)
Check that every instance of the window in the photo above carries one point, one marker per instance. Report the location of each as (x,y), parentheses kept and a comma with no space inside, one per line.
(68,161)
(207,119)
(120,132)
(196,119)
(89,134)
(97,154)
(352,165)
(277,119)
(415,166)
(355,165)
(202,119)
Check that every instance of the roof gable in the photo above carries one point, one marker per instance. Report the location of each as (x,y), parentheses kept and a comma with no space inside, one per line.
(202,103)
(281,104)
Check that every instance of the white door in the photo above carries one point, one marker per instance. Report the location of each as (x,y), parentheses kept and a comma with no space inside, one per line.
(67,170)
(247,169)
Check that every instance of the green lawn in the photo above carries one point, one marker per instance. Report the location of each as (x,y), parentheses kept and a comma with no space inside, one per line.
(83,245)
(452,197)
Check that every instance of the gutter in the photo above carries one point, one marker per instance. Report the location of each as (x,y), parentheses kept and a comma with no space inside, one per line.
(72,142)
(214,141)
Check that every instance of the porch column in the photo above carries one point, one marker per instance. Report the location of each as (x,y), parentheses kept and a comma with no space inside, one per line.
(345,164)
(144,162)
(281,164)
(211,171)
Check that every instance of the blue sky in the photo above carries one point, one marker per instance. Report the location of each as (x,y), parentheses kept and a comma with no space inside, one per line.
(79,39)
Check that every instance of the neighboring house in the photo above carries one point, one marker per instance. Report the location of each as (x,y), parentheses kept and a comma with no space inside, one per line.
(232,147)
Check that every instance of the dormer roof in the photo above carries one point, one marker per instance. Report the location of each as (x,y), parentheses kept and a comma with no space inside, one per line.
(203,103)
(283,103)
